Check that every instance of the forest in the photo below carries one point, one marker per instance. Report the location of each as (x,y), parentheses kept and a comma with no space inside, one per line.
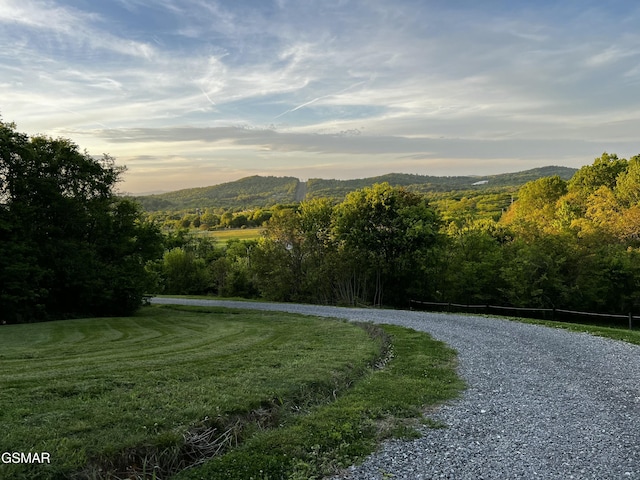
(560,244)
(69,246)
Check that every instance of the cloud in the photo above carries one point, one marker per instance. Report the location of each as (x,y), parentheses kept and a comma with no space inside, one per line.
(57,25)
(420,81)
(399,147)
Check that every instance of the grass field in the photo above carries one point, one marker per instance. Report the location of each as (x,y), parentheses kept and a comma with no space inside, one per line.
(146,396)
(225,235)
(616,332)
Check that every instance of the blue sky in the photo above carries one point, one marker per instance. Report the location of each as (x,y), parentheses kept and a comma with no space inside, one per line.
(194,92)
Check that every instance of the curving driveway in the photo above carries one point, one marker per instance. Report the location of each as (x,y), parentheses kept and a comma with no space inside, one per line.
(541,402)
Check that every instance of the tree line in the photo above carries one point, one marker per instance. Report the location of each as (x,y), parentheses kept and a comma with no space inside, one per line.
(69,246)
(564,244)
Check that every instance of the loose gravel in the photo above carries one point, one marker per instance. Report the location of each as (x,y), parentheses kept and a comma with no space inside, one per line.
(541,402)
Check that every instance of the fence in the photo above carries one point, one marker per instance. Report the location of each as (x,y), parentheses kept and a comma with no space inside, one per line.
(537,313)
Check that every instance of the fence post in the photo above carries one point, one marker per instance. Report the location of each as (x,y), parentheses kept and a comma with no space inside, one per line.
(630,320)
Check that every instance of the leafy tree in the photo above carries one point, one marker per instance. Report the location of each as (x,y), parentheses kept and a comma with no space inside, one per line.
(627,185)
(473,259)
(318,250)
(69,245)
(388,231)
(183,273)
(603,172)
(209,219)
(239,220)
(295,258)
(239,278)
(279,255)
(259,217)
(538,272)
(535,209)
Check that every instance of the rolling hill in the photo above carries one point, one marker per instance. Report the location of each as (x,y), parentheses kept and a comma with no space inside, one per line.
(258,191)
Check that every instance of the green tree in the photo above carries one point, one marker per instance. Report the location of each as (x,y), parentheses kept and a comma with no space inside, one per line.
(535,209)
(183,273)
(627,186)
(539,272)
(387,232)
(279,255)
(473,258)
(238,280)
(318,248)
(603,172)
(69,245)
(209,219)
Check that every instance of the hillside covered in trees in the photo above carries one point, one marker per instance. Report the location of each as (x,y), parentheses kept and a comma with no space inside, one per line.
(338,189)
(260,192)
(249,192)
(561,243)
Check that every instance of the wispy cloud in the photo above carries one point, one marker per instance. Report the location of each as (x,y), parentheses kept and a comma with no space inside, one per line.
(55,25)
(421,81)
(310,102)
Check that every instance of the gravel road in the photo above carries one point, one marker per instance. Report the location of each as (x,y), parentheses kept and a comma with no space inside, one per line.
(541,402)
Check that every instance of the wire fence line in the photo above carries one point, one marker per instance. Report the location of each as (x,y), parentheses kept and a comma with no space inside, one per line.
(557,314)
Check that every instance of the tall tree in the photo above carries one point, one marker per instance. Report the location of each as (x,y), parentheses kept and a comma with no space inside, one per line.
(68,246)
(388,231)
(535,209)
(603,171)
(628,183)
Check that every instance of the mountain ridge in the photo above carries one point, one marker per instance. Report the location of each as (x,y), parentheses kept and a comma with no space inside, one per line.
(263,191)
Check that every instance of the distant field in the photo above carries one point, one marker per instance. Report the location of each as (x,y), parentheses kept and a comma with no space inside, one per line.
(232,234)
(144,396)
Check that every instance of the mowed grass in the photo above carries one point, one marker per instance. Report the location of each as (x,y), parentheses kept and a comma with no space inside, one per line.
(224,235)
(146,396)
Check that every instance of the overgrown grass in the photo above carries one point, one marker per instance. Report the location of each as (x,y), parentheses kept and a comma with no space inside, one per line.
(145,396)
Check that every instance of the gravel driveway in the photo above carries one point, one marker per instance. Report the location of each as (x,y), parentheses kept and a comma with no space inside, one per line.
(541,402)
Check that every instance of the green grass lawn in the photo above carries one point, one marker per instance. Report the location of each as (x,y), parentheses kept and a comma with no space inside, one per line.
(151,394)
(613,332)
(223,235)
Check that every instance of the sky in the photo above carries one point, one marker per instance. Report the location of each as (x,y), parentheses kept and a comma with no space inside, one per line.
(190,93)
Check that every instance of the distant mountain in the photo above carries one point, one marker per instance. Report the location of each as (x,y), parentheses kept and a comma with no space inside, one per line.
(429,184)
(249,192)
(256,191)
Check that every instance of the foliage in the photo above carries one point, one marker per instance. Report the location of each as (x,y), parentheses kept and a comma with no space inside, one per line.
(387,230)
(375,241)
(183,272)
(470,262)
(576,243)
(69,245)
(552,243)
(245,193)
(603,172)
(258,192)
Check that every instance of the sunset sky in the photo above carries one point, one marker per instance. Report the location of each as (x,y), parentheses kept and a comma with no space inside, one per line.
(190,93)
